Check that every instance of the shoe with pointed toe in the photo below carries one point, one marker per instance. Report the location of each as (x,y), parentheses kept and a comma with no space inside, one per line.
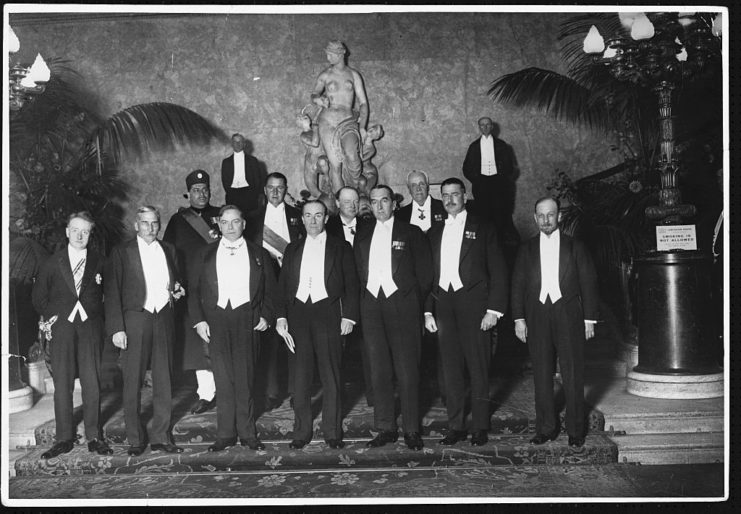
(135,451)
(543,438)
(297,444)
(202,406)
(387,436)
(413,440)
(479,438)
(166,447)
(252,444)
(335,444)
(99,446)
(221,445)
(453,437)
(576,444)
(58,449)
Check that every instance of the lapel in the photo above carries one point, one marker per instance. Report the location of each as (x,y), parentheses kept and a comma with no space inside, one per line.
(295,271)
(331,253)
(535,252)
(91,264)
(209,263)
(136,262)
(255,273)
(564,250)
(436,241)
(395,256)
(362,242)
(229,175)
(65,268)
(466,244)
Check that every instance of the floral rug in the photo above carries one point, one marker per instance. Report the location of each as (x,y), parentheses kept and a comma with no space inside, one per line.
(424,485)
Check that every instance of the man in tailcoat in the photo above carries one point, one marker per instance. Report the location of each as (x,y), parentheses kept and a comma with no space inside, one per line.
(69,289)
(555,307)
(470,293)
(243,178)
(423,211)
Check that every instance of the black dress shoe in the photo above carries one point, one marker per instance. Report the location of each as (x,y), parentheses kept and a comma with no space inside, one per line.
(576,443)
(479,438)
(136,450)
(252,444)
(202,406)
(99,446)
(542,438)
(413,440)
(272,403)
(453,437)
(166,447)
(297,444)
(58,449)
(222,444)
(335,444)
(384,437)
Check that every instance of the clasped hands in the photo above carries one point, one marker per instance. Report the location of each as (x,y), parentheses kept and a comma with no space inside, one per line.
(488,322)
(281,326)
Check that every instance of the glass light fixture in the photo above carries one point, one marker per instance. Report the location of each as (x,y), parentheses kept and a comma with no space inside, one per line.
(594,43)
(642,28)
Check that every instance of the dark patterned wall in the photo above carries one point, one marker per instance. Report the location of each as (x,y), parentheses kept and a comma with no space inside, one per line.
(426,77)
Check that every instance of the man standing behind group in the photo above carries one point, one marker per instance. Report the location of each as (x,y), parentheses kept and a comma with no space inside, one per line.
(273,228)
(69,289)
(489,166)
(232,288)
(423,211)
(345,225)
(141,284)
(319,304)
(469,296)
(243,178)
(554,304)
(395,270)
(189,229)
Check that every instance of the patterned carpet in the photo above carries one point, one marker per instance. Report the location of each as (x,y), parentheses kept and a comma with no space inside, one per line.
(422,484)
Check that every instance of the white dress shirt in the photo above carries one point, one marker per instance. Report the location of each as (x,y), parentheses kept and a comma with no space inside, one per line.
(233,273)
(239,179)
(422,214)
(450,251)
(156,275)
(549,254)
(379,262)
(488,163)
(349,228)
(311,281)
(75,256)
(275,219)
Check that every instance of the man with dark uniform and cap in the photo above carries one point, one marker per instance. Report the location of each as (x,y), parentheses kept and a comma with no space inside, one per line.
(190,229)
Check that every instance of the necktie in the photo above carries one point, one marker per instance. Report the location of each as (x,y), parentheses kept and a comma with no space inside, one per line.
(350,226)
(421,213)
(77,273)
(233,249)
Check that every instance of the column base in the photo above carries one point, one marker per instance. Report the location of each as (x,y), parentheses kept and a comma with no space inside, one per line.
(676,387)
(629,355)
(20,399)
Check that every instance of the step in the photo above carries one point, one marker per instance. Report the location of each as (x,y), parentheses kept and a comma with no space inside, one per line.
(666,423)
(681,448)
(501,450)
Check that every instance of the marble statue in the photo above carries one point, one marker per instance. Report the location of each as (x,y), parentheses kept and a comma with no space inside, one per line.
(369,177)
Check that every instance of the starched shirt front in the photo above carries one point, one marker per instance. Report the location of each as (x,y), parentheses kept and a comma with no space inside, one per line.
(488,161)
(311,277)
(77,259)
(156,275)
(233,273)
(239,179)
(380,275)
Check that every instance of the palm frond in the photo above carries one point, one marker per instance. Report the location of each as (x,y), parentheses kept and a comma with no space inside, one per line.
(142,128)
(555,94)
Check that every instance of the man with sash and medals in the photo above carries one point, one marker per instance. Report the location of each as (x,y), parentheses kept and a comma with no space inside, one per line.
(273,227)
(190,229)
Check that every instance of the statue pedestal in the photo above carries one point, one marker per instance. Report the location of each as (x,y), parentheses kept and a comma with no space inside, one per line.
(675,359)
(20,399)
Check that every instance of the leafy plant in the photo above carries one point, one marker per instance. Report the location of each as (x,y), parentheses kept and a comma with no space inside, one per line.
(64,156)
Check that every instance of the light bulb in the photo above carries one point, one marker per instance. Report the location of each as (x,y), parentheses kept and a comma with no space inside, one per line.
(642,28)
(594,43)
(11,41)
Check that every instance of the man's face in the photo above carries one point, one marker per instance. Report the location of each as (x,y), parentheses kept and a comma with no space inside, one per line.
(238,143)
(314,219)
(454,198)
(418,187)
(348,203)
(275,190)
(231,225)
(199,196)
(147,226)
(382,204)
(547,216)
(78,233)
(485,126)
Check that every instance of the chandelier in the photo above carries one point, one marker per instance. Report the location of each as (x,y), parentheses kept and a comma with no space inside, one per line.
(25,82)
(660,50)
